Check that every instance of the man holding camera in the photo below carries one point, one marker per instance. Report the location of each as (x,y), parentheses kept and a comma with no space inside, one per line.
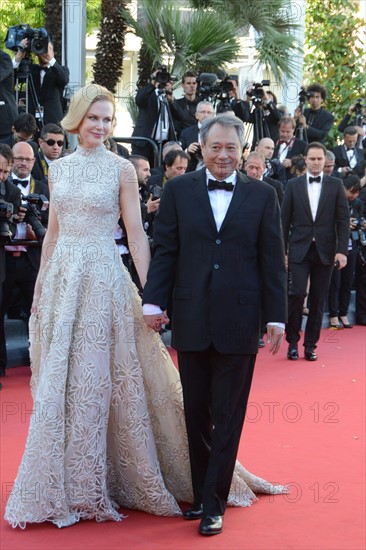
(22,261)
(190,136)
(348,157)
(358,112)
(50,79)
(316,121)
(9,200)
(154,120)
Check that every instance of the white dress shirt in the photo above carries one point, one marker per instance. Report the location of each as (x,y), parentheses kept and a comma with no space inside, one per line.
(314,190)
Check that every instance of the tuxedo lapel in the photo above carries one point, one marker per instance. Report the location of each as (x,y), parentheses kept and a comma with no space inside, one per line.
(199,188)
(303,195)
(324,194)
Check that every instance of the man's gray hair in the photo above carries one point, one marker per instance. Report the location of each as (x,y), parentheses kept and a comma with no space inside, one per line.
(228,121)
(330,155)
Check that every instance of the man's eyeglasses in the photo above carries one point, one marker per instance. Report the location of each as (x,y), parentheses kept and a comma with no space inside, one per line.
(23,159)
(51,142)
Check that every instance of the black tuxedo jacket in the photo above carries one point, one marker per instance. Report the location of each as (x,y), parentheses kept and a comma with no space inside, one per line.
(8,107)
(330,228)
(341,158)
(298,148)
(218,279)
(320,122)
(50,94)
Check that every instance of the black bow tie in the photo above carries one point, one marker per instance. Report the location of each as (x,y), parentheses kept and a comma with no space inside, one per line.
(24,183)
(213,184)
(282,141)
(350,149)
(317,179)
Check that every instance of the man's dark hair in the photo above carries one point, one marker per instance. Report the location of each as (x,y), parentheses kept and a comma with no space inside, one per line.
(351,182)
(317,88)
(7,153)
(350,130)
(51,129)
(188,74)
(315,145)
(25,123)
(170,157)
(135,159)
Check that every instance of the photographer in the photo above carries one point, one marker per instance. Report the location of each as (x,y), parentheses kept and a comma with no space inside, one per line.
(348,157)
(154,118)
(190,136)
(8,107)
(358,112)
(23,261)
(49,79)
(316,121)
(9,201)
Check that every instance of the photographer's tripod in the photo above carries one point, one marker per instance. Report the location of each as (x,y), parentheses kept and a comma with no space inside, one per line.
(24,76)
(258,120)
(164,127)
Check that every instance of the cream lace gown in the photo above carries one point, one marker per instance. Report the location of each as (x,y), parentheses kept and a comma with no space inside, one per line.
(107,429)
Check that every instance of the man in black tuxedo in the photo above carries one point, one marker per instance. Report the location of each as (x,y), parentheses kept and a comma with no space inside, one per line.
(315,221)
(184,109)
(348,156)
(255,167)
(190,136)
(8,107)
(22,261)
(288,146)
(316,121)
(274,168)
(218,250)
(50,79)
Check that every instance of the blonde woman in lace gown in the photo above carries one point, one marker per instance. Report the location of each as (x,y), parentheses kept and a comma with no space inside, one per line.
(107,430)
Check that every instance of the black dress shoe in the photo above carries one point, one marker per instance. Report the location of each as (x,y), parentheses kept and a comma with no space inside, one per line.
(211,525)
(292,353)
(195,512)
(310,354)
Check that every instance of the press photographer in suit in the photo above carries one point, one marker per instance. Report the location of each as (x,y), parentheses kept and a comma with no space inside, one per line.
(218,250)
(8,107)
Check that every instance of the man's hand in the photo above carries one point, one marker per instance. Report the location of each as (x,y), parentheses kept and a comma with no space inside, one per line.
(152,205)
(340,260)
(21,213)
(275,336)
(193,148)
(287,163)
(155,321)
(20,55)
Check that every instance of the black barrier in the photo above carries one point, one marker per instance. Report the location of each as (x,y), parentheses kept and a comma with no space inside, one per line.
(157,159)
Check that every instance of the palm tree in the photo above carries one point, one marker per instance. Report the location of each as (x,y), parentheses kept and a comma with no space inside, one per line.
(195,39)
(274,26)
(108,66)
(53,23)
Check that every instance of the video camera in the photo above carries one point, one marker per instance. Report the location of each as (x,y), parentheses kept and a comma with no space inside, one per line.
(162,77)
(6,215)
(304,95)
(211,87)
(35,204)
(257,92)
(38,39)
(359,105)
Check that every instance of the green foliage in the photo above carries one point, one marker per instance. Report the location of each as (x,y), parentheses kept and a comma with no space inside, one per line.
(14,12)
(335,56)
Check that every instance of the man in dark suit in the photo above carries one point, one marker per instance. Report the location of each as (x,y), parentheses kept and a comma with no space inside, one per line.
(315,221)
(348,156)
(255,167)
(8,107)
(288,146)
(315,121)
(274,168)
(184,109)
(50,79)
(9,193)
(22,261)
(218,250)
(190,136)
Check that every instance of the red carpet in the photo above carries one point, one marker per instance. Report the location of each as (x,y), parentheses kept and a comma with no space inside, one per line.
(305,427)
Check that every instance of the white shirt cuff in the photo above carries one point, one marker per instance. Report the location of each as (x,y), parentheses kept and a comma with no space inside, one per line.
(151,309)
(52,62)
(280,325)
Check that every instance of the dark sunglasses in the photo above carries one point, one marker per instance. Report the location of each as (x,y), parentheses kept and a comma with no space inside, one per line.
(52,142)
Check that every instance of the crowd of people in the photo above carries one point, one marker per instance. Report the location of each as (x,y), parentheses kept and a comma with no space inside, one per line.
(245,240)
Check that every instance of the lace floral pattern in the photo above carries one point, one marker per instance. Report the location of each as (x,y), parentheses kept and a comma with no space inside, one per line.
(107,428)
